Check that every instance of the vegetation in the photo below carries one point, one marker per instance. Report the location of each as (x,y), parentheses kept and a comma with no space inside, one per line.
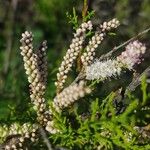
(85,97)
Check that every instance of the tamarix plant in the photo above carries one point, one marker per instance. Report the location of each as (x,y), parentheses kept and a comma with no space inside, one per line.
(62,123)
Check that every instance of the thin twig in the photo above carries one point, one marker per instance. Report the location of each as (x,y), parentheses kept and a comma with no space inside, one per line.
(44,136)
(80,76)
(84,9)
(136,82)
(124,44)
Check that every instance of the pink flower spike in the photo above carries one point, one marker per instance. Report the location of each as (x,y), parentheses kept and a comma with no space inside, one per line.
(132,55)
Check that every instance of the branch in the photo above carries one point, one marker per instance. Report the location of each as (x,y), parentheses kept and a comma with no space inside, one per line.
(44,136)
(84,13)
(124,44)
(84,9)
(136,82)
(80,76)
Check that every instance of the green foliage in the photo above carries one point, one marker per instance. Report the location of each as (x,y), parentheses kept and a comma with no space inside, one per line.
(73,19)
(102,128)
(90,14)
(97,125)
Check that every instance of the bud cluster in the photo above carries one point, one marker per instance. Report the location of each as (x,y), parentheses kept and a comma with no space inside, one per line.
(72,53)
(36,68)
(51,128)
(89,54)
(107,26)
(33,69)
(43,115)
(23,132)
(71,94)
(42,61)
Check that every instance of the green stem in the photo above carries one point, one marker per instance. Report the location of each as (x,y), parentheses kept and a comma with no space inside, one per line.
(84,10)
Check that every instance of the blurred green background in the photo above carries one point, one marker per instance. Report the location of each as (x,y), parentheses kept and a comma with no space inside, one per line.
(47,20)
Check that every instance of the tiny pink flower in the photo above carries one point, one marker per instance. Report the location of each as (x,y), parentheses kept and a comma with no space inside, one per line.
(132,55)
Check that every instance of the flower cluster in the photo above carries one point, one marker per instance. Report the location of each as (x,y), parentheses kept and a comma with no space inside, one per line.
(88,56)
(50,127)
(33,69)
(102,70)
(72,53)
(23,132)
(71,94)
(42,61)
(132,55)
(112,24)
(35,64)
(36,68)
